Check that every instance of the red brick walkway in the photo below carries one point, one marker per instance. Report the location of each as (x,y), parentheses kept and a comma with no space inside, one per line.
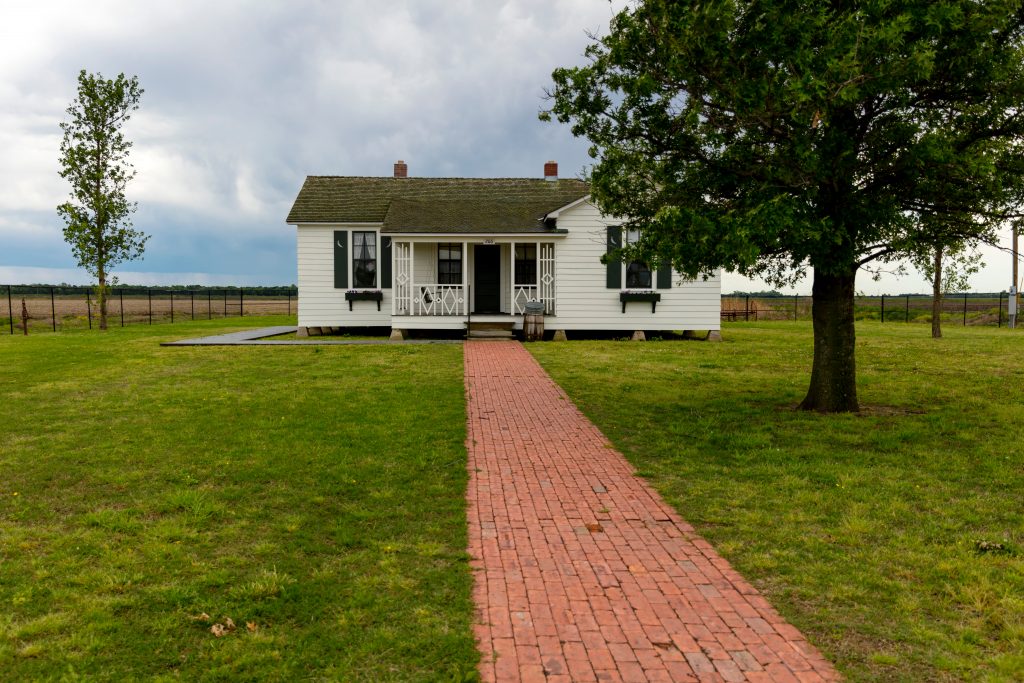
(581,571)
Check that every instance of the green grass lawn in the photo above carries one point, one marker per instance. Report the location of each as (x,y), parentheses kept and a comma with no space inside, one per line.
(316,493)
(894,539)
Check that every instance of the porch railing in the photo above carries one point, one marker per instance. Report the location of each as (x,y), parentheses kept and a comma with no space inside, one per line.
(435,299)
(522,294)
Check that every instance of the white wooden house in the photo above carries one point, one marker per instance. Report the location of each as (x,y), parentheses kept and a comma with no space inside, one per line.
(436,253)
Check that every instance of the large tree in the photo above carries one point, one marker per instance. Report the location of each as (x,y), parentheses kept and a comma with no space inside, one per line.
(773,136)
(94,160)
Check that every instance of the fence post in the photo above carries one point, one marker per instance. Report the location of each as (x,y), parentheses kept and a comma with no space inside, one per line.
(88,307)
(10,308)
(1000,324)
(225,303)
(289,302)
(883,308)
(172,305)
(209,304)
(746,309)
(241,302)
(907,319)
(120,294)
(53,310)
(796,306)
(965,309)
(192,295)
(149,297)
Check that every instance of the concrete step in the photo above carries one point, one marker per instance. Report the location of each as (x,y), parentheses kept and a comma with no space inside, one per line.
(491,334)
(492,325)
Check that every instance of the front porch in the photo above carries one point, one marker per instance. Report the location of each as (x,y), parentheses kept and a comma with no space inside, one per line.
(443,282)
(455,322)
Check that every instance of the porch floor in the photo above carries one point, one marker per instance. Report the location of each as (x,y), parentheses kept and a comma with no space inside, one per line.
(259,336)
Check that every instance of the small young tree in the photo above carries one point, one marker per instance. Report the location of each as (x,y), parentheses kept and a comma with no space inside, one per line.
(949,268)
(94,159)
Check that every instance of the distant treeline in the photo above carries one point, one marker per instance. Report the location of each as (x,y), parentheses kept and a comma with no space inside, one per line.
(64,288)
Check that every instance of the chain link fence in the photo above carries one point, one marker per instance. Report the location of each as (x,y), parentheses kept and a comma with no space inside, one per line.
(965,308)
(67,307)
(41,307)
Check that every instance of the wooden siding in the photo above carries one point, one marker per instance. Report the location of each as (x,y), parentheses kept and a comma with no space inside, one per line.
(582,300)
(584,303)
(425,263)
(320,303)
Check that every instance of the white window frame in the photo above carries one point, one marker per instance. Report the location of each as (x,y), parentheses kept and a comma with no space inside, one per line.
(352,259)
(625,266)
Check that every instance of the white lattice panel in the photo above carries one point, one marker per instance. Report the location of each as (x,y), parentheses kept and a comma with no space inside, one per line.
(434,299)
(546,277)
(402,290)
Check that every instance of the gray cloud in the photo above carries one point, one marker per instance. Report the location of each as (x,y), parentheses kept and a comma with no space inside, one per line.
(244,99)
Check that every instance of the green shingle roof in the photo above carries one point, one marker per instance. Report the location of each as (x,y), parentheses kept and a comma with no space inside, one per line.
(463,205)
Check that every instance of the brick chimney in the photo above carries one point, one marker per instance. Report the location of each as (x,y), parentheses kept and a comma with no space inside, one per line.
(401,169)
(551,170)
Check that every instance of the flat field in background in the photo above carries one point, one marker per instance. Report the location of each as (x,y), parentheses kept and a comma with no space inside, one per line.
(149,493)
(72,311)
(895,538)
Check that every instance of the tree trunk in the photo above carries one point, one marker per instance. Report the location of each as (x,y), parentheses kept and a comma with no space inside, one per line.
(101,296)
(834,373)
(937,295)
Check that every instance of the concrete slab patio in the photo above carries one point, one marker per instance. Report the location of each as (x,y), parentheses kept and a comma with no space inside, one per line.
(264,337)
(581,571)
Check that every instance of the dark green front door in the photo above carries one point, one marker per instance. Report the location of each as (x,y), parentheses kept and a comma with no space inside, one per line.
(487,278)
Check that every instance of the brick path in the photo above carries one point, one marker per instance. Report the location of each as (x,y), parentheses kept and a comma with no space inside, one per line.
(581,571)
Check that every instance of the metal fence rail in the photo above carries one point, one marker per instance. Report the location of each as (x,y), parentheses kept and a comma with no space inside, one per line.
(964,308)
(34,307)
(72,307)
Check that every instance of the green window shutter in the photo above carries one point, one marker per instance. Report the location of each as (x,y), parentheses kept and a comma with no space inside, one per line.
(385,262)
(614,267)
(341,259)
(665,277)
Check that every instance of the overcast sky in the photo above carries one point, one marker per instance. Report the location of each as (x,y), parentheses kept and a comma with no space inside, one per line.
(244,99)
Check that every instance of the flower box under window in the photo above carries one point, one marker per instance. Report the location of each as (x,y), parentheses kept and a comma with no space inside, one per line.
(365,295)
(626,297)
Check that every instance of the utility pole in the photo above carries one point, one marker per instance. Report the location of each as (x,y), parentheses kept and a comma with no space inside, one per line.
(1014,298)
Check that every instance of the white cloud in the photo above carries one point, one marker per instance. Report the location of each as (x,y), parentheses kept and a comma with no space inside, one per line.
(30,275)
(244,99)
(16,226)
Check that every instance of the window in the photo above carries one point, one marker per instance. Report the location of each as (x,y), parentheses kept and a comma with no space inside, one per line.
(526,264)
(364,259)
(638,273)
(449,264)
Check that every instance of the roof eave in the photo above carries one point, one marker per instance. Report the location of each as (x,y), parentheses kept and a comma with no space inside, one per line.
(491,233)
(571,205)
(354,224)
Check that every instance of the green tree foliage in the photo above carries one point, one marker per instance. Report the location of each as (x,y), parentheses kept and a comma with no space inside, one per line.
(769,137)
(94,160)
(948,266)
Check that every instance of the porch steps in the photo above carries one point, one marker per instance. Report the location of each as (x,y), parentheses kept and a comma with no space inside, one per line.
(491,330)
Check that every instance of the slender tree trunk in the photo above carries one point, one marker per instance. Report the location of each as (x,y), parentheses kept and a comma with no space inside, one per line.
(937,295)
(833,386)
(101,296)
